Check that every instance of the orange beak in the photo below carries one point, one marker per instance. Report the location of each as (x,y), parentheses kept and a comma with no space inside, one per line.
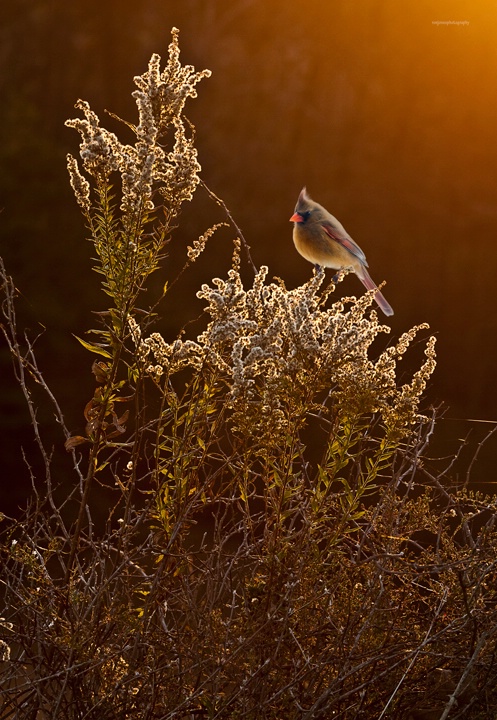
(296,217)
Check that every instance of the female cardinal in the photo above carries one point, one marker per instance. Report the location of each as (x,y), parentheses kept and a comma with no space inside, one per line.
(321,238)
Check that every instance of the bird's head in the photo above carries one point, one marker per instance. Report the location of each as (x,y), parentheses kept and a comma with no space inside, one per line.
(305,209)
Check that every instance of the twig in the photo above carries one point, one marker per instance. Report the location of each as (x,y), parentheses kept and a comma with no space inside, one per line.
(425,640)
(477,452)
(222,204)
(462,681)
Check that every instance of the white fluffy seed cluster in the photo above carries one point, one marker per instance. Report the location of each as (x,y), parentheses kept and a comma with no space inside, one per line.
(145,167)
(198,246)
(278,349)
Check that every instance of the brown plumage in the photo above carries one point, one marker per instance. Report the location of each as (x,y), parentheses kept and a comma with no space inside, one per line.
(321,239)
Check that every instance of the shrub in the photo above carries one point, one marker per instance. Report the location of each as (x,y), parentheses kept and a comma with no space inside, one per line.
(274,545)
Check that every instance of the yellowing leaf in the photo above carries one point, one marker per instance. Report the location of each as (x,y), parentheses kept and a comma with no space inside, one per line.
(94,348)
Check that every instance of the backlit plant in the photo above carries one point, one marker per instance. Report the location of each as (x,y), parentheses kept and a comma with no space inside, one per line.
(274,543)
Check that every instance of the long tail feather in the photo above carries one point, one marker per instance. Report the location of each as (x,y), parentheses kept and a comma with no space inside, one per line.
(368,283)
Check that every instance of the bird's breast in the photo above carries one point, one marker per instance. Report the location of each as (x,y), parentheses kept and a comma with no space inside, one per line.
(318,248)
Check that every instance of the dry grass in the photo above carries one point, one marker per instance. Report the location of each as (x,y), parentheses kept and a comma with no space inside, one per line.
(237,573)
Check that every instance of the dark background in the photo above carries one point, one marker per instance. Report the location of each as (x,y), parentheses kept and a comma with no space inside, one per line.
(386,110)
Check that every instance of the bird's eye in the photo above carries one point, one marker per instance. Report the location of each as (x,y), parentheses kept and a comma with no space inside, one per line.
(305,215)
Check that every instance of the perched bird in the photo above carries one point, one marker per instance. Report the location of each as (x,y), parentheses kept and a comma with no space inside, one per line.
(321,238)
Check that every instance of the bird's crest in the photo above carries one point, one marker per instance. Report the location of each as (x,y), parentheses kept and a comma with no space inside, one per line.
(304,196)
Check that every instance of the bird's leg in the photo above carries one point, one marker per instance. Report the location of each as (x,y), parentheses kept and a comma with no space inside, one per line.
(341,271)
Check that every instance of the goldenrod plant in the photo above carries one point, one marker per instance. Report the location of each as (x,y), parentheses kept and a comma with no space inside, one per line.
(276,542)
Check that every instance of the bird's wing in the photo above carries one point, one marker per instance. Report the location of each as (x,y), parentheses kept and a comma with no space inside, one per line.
(340,236)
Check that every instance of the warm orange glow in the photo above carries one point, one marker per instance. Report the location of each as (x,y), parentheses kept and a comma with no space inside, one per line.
(386,110)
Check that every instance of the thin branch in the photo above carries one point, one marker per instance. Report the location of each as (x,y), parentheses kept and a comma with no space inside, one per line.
(222,204)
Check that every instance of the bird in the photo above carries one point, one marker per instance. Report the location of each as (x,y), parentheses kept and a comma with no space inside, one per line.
(321,239)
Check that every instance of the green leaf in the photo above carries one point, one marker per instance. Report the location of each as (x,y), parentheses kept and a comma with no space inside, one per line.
(94,348)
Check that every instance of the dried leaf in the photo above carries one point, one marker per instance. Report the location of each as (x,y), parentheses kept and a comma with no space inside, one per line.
(100,370)
(73,441)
